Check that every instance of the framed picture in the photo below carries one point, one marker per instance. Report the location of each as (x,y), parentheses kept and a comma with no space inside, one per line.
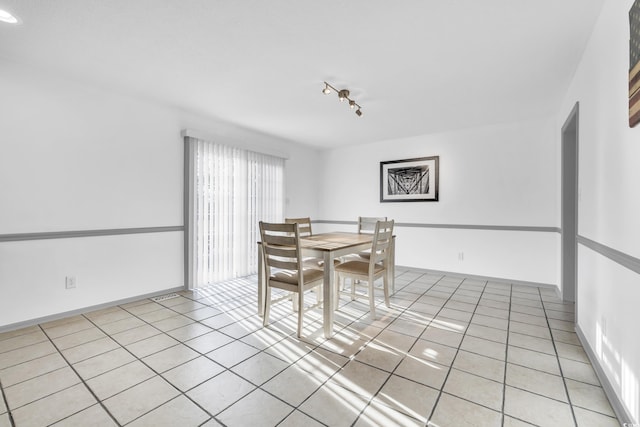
(410,180)
(634,64)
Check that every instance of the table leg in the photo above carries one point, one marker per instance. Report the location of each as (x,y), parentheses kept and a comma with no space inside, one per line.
(327,305)
(261,282)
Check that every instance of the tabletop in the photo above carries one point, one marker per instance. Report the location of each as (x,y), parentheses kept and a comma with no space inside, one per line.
(335,240)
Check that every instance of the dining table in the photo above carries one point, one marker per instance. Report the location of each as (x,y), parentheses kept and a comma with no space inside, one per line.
(329,247)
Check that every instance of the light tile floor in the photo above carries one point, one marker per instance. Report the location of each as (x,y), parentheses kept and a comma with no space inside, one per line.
(451,351)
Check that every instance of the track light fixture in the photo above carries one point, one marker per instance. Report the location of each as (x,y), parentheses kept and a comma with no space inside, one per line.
(343,94)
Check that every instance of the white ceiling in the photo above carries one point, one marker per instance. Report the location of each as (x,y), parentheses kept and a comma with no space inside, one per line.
(415,66)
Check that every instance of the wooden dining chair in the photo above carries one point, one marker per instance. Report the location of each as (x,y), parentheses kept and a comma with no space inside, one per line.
(284,268)
(367,225)
(369,271)
(304,228)
(304,225)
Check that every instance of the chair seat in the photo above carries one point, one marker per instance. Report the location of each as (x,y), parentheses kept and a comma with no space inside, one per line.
(291,277)
(358,267)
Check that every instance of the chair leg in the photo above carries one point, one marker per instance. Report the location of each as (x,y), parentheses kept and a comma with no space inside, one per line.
(294,301)
(372,300)
(385,281)
(353,288)
(267,307)
(300,311)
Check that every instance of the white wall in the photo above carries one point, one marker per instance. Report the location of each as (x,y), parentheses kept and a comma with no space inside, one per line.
(502,175)
(79,157)
(609,210)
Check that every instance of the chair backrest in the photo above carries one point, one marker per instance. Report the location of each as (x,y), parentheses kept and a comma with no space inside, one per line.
(281,247)
(381,247)
(367,224)
(304,225)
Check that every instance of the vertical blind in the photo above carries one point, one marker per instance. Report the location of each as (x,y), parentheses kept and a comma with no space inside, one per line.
(231,190)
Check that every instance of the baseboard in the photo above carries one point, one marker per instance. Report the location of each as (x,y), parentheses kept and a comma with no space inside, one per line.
(618,407)
(487,278)
(57,316)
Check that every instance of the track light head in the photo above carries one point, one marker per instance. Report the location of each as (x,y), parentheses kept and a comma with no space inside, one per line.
(343,94)
(352,104)
(359,112)
(326,89)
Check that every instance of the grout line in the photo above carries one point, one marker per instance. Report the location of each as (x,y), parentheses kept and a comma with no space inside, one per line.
(229,369)
(181,393)
(441,390)
(564,381)
(350,359)
(405,355)
(140,359)
(6,404)
(506,356)
(234,339)
(81,380)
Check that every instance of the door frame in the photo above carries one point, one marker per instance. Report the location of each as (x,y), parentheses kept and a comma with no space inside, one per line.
(569,198)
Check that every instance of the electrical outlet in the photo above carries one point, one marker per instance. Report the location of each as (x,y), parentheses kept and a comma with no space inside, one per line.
(70,282)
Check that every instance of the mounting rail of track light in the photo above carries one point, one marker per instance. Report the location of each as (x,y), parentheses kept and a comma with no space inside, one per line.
(343,94)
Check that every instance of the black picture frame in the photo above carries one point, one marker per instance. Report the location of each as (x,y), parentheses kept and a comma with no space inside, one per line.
(410,180)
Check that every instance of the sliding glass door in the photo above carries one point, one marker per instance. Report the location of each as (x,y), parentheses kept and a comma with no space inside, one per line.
(228,191)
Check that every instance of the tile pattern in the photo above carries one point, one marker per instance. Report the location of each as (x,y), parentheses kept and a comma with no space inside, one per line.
(450,351)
